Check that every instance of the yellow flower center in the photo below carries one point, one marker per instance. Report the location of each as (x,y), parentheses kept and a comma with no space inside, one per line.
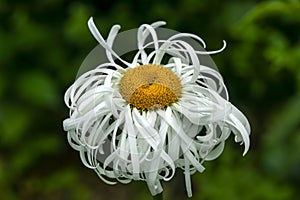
(149,87)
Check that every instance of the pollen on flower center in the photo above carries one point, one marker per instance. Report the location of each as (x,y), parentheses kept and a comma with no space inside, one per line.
(148,87)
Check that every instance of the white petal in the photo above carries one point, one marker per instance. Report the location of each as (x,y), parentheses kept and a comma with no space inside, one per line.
(132,143)
(239,130)
(155,188)
(101,40)
(110,40)
(215,152)
(187,177)
(148,132)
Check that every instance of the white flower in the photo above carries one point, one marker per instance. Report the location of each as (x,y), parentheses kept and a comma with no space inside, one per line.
(140,120)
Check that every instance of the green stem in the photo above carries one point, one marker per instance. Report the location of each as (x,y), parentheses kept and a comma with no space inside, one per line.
(158,196)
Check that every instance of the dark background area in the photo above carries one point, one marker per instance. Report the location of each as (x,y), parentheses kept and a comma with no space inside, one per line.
(42,45)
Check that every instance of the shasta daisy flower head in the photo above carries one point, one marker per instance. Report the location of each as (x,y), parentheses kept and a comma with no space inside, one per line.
(140,119)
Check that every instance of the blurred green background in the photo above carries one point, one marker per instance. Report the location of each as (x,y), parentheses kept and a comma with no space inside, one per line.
(42,45)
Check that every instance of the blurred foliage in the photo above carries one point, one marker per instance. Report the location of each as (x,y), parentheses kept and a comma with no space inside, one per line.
(42,44)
